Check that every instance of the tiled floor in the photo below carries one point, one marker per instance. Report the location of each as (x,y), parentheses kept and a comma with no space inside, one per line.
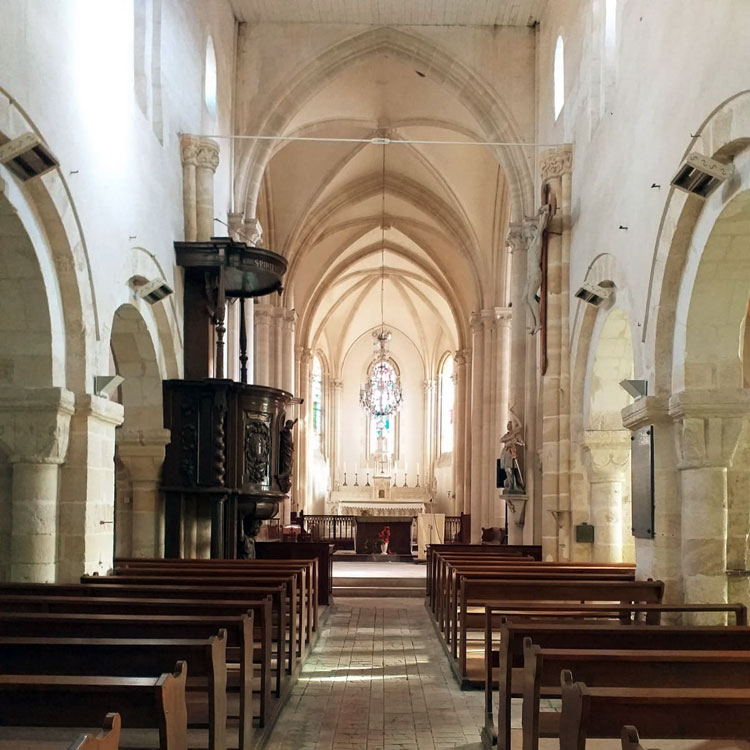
(378,680)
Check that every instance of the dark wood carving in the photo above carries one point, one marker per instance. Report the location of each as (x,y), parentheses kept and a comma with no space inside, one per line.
(257,448)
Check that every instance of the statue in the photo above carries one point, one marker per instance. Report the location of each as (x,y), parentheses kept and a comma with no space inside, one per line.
(511,441)
(532,233)
(248,530)
(286,454)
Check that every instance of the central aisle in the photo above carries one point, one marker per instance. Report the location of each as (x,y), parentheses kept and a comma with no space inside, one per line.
(378,680)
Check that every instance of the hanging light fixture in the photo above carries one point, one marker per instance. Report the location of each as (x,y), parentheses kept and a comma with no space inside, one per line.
(381,396)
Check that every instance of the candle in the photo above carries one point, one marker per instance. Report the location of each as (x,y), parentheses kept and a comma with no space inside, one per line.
(344,467)
(417,468)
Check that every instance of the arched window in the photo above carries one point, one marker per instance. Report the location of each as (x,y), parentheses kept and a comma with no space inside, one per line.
(209,84)
(559,76)
(316,393)
(447,403)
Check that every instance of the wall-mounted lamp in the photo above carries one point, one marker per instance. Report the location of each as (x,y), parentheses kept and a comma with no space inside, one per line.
(636,388)
(27,157)
(152,291)
(701,175)
(106,385)
(593,294)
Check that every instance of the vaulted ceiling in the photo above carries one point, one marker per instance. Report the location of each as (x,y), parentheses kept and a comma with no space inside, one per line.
(393,12)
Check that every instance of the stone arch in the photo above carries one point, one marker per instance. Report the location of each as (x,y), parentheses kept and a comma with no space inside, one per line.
(723,135)
(492,114)
(606,441)
(139,447)
(46,202)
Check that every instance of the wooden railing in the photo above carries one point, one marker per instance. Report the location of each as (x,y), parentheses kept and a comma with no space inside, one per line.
(452,529)
(335,529)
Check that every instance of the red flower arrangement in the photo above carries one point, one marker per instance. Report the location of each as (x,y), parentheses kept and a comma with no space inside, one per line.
(385,534)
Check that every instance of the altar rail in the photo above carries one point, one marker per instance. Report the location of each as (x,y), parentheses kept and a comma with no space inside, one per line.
(339,530)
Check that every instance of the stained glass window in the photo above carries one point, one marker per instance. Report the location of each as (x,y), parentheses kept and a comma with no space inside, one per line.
(316,392)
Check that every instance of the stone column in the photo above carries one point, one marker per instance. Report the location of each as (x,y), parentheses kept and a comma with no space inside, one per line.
(262,344)
(607,462)
(35,431)
(477,369)
(301,492)
(519,335)
(467,433)
(459,428)
(501,384)
(289,326)
(87,500)
(206,161)
(188,153)
(337,387)
(556,166)
(141,454)
(708,427)
(430,429)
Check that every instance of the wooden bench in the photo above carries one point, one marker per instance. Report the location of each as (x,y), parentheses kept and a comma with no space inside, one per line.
(107,739)
(619,668)
(676,713)
(215,587)
(477,592)
(68,700)
(251,571)
(504,667)
(239,644)
(133,657)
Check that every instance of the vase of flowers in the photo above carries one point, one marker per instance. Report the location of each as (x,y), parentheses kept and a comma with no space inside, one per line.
(384,536)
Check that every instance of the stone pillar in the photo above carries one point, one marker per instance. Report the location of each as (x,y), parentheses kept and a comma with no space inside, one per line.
(477,369)
(200,157)
(207,159)
(556,166)
(188,153)
(659,558)
(468,381)
(87,500)
(35,430)
(519,335)
(301,492)
(501,384)
(459,429)
(337,387)
(141,454)
(262,344)
(287,373)
(430,429)
(607,462)
(708,427)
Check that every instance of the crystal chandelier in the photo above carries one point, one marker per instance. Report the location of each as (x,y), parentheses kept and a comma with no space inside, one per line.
(381,396)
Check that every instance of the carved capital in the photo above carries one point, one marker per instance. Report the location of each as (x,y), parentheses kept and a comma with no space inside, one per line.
(607,455)
(189,146)
(556,163)
(208,154)
(253,233)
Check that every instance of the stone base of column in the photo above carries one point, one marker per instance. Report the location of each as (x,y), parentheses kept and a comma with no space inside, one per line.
(517,509)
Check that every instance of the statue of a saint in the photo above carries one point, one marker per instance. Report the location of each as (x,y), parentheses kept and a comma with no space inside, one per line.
(532,232)
(286,455)
(246,533)
(511,441)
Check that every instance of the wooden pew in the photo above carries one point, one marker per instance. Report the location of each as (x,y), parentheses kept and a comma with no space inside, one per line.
(243,568)
(504,667)
(239,643)
(107,739)
(214,587)
(70,700)
(619,668)
(675,713)
(478,592)
(253,598)
(132,657)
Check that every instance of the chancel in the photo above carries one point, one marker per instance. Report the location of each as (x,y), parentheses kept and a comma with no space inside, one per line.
(355,352)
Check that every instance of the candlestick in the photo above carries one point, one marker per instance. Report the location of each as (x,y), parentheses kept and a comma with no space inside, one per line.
(367,483)
(405,485)
(417,484)
(355,479)
(344,479)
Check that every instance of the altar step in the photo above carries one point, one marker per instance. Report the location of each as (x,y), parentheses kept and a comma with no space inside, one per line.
(378,587)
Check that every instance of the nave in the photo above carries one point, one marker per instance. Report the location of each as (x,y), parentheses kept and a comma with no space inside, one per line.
(378,679)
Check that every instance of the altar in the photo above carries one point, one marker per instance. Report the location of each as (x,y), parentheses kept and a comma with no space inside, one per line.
(377,499)
(372,531)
